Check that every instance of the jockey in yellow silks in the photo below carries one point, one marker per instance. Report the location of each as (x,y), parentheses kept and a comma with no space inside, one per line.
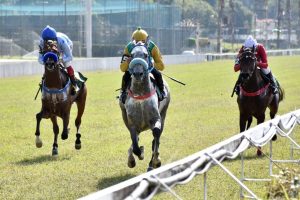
(154,52)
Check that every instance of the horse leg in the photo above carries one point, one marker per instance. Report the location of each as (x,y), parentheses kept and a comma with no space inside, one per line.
(56,131)
(131,161)
(80,107)
(273,110)
(243,120)
(138,151)
(155,161)
(260,119)
(38,141)
(65,132)
(249,121)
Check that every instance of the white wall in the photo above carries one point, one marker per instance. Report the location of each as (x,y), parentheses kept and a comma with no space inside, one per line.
(14,68)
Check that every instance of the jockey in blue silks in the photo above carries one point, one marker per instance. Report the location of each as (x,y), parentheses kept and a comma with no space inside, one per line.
(49,36)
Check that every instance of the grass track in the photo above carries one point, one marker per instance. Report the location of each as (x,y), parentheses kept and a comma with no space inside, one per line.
(200,114)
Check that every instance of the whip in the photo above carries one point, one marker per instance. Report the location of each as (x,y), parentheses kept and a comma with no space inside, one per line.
(173,79)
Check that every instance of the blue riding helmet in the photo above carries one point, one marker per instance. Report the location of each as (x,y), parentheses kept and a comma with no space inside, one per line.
(50,55)
(49,33)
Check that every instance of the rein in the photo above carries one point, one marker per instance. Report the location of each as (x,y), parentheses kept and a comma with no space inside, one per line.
(141,97)
(256,93)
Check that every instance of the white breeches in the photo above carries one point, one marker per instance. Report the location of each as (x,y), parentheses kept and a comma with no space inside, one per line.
(266,70)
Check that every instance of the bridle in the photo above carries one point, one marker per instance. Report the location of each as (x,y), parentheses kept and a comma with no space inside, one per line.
(51,65)
(247,58)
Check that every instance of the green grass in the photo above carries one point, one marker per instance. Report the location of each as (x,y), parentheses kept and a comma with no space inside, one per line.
(201,114)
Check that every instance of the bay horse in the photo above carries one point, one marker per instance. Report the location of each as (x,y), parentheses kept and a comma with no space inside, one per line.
(57,101)
(142,110)
(255,94)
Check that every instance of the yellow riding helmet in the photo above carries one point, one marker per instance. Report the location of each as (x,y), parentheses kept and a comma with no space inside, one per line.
(139,35)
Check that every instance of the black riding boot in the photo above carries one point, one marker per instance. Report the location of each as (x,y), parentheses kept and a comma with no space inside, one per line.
(74,84)
(237,85)
(273,83)
(160,83)
(125,83)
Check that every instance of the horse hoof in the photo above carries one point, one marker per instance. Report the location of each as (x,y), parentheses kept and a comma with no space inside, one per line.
(149,169)
(77,146)
(141,157)
(274,138)
(64,136)
(131,162)
(156,163)
(39,144)
(259,152)
(54,152)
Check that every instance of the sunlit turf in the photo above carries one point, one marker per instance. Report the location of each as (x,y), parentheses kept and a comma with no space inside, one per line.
(201,114)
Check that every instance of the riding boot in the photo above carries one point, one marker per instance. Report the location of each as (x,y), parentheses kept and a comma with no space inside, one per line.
(74,84)
(273,83)
(160,83)
(125,84)
(237,85)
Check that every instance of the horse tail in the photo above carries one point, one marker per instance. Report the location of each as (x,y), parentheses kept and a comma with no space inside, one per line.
(281,92)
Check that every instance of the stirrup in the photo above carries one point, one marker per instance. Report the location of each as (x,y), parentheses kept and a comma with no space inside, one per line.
(162,95)
(237,90)
(274,90)
(74,89)
(123,96)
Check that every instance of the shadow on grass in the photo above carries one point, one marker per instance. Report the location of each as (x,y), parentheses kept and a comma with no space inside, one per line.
(107,182)
(41,159)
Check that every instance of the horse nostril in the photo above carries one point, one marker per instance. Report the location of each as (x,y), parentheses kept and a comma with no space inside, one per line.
(141,74)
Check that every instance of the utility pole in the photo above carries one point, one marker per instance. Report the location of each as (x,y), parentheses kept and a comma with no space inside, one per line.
(220,17)
(197,38)
(232,22)
(254,20)
(279,17)
(266,22)
(88,27)
(288,10)
(299,23)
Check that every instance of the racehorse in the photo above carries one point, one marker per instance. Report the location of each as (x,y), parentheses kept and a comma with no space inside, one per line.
(57,101)
(142,110)
(255,94)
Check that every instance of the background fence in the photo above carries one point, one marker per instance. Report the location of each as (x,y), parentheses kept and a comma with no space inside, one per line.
(112,25)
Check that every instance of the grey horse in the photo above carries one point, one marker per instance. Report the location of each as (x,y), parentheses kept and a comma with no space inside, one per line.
(142,110)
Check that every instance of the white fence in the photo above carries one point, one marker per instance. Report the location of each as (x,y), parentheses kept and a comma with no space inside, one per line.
(13,68)
(162,179)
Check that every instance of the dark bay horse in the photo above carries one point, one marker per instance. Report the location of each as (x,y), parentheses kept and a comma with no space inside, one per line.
(57,101)
(142,110)
(255,94)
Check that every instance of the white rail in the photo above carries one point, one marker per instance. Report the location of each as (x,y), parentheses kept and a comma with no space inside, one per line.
(22,67)
(183,171)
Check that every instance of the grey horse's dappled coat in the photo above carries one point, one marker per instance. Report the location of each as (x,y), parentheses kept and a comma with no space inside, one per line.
(143,111)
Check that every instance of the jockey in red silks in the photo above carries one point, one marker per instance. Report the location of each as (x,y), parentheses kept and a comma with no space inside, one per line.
(262,62)
(64,48)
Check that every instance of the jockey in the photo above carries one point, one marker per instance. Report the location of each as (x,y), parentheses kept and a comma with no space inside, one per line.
(64,48)
(261,62)
(137,36)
